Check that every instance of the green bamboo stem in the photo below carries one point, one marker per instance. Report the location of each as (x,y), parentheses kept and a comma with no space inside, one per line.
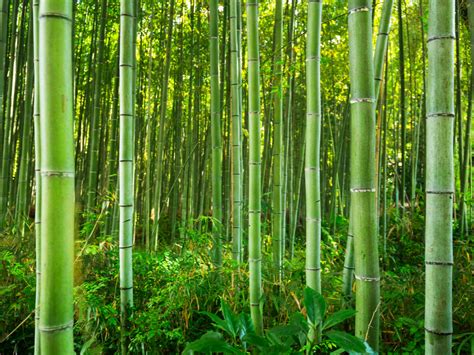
(216,132)
(126,163)
(37,145)
(57,177)
(278,147)
(236,114)
(379,59)
(313,141)
(363,204)
(255,253)
(439,177)
(381,44)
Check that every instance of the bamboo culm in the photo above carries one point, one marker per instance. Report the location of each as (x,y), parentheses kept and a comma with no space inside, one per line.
(255,253)
(363,188)
(57,177)
(439,178)
(126,163)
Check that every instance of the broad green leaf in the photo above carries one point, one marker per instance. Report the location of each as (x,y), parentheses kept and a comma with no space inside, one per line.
(338,317)
(285,330)
(218,322)
(368,350)
(256,340)
(346,341)
(230,319)
(246,325)
(297,319)
(315,305)
(210,342)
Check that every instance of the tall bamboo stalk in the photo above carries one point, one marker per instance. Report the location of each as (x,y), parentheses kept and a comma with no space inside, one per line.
(126,163)
(439,178)
(57,177)
(237,181)
(255,253)
(278,147)
(363,204)
(313,140)
(37,145)
(216,132)
(379,59)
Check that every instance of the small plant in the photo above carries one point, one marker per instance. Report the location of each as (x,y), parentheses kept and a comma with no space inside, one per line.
(236,334)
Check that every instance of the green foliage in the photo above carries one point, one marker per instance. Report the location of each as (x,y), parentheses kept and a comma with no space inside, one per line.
(177,286)
(17,299)
(281,339)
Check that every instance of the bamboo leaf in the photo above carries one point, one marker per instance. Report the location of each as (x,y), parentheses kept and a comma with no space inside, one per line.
(230,319)
(315,305)
(210,342)
(246,325)
(347,341)
(338,317)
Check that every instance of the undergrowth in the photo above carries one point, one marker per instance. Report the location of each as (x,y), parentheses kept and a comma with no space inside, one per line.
(175,287)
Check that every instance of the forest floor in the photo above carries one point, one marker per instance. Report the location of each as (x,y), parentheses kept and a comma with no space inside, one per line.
(173,286)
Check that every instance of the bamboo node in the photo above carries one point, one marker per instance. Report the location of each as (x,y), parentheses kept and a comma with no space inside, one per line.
(359,100)
(438,332)
(367,278)
(362,189)
(56,328)
(440,192)
(64,174)
(439,263)
(434,38)
(440,114)
(313,269)
(55,15)
(359,9)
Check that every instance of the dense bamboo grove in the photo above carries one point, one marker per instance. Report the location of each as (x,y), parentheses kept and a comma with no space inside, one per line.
(162,159)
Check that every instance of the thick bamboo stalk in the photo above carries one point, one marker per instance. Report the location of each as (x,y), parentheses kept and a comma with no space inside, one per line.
(313,141)
(57,177)
(439,178)
(216,133)
(363,204)
(37,147)
(126,163)
(255,253)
